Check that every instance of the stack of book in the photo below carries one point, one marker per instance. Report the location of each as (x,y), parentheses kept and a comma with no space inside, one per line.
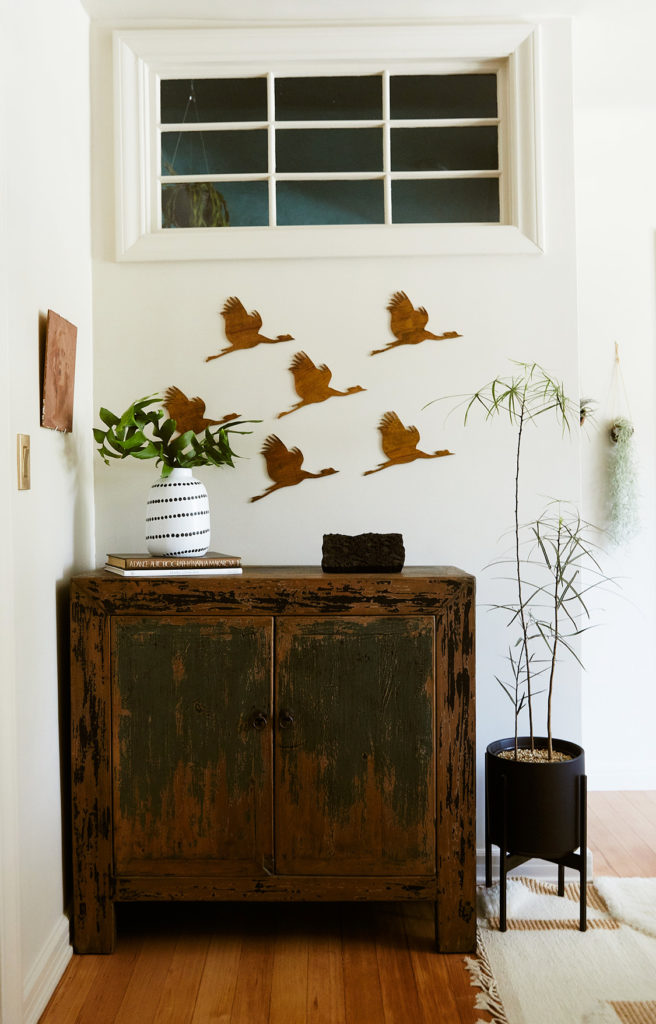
(214,563)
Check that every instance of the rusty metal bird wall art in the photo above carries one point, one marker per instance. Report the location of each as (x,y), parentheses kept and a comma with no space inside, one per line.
(242,329)
(408,325)
(312,383)
(284,466)
(189,413)
(399,443)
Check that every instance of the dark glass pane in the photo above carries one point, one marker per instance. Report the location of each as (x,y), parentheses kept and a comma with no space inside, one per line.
(445,149)
(330,202)
(329,149)
(446,201)
(329,98)
(213,99)
(427,96)
(215,152)
(234,204)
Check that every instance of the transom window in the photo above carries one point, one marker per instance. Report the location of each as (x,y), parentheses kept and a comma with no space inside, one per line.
(267,151)
(302,141)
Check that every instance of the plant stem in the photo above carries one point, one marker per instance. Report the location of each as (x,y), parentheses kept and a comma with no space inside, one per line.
(522,617)
(552,673)
(517,710)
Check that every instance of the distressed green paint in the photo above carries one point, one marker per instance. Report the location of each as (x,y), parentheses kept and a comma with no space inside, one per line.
(361,691)
(187,690)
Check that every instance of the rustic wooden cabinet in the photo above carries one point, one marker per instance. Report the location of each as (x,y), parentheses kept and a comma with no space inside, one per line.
(283,734)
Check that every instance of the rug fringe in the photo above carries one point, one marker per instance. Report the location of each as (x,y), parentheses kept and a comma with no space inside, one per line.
(481,976)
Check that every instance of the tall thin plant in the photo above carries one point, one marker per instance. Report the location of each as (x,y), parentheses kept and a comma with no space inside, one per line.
(553,564)
(514,690)
(524,397)
(559,570)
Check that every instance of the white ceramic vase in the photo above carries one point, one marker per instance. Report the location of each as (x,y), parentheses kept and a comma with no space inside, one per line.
(178,515)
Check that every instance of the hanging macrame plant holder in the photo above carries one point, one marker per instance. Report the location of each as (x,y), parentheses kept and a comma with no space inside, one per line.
(192,204)
(622,517)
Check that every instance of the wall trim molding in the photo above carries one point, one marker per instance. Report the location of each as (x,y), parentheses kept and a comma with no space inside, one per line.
(45,974)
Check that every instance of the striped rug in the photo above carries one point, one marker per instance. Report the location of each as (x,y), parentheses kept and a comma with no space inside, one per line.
(543,970)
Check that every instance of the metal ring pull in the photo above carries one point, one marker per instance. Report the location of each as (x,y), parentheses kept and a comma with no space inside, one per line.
(259,720)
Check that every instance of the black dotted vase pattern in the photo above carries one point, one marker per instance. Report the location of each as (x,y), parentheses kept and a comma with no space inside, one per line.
(178,515)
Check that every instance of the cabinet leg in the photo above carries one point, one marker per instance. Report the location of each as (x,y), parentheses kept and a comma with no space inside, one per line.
(561,879)
(94,927)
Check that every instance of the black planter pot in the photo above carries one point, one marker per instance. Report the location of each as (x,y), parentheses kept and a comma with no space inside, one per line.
(536,809)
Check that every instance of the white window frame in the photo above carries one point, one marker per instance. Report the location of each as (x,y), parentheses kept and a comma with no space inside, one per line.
(142,58)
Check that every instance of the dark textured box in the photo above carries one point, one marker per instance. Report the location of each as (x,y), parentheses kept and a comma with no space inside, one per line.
(366,552)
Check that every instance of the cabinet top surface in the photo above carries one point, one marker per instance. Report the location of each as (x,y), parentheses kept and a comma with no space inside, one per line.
(278,589)
(304,573)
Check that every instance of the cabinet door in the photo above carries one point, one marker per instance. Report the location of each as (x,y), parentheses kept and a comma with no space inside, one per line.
(355,767)
(192,745)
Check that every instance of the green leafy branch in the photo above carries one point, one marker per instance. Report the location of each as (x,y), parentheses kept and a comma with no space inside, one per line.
(144,431)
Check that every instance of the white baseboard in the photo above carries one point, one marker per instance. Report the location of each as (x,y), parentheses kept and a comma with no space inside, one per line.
(542,869)
(627,776)
(44,976)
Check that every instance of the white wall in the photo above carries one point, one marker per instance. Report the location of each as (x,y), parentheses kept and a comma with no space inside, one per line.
(10,958)
(46,240)
(154,324)
(615,133)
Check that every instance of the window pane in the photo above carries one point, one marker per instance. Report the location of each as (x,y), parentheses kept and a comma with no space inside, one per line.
(329,149)
(445,149)
(234,204)
(329,98)
(215,152)
(247,202)
(330,202)
(443,96)
(446,201)
(213,99)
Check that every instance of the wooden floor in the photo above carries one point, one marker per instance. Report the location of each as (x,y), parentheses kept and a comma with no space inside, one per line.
(306,963)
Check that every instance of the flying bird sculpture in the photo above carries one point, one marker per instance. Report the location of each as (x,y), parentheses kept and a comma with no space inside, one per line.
(284,466)
(312,383)
(242,329)
(399,443)
(408,325)
(189,413)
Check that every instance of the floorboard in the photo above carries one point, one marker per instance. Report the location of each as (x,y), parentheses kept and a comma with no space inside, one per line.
(397,979)
(325,983)
(216,992)
(363,996)
(307,963)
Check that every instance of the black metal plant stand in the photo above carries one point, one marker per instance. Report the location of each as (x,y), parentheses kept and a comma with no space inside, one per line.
(498,829)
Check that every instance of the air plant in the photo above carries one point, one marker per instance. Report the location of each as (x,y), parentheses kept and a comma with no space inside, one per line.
(587,407)
(197,204)
(622,482)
